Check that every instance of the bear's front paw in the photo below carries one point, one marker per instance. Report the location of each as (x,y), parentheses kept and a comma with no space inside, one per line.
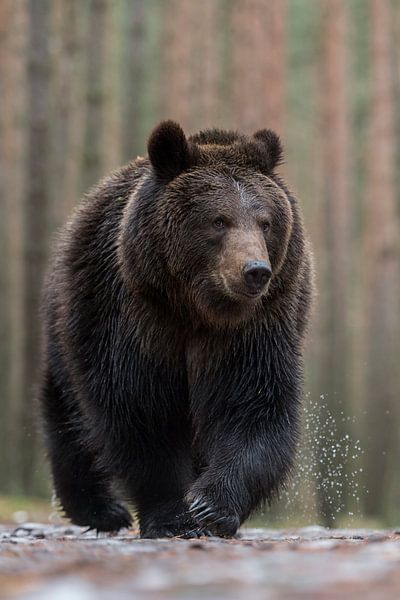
(209,515)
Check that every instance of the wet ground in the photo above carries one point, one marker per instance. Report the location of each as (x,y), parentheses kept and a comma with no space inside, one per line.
(62,563)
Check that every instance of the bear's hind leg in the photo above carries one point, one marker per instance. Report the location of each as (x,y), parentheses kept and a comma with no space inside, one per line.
(84,491)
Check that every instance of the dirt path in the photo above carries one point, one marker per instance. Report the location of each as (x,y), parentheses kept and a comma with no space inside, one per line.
(59,563)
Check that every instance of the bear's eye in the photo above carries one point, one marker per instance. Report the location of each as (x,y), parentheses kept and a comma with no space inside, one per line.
(266,226)
(219,224)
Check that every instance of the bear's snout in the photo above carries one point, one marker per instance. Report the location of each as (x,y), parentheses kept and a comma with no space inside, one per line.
(256,274)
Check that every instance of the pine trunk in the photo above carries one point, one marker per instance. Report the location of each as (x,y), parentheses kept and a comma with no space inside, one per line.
(337,218)
(381,247)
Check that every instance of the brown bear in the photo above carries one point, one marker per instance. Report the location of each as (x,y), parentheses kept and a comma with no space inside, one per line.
(175,312)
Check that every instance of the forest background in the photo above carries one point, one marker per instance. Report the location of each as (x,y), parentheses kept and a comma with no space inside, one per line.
(82,84)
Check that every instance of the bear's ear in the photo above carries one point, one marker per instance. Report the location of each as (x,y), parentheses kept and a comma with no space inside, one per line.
(273,147)
(169,150)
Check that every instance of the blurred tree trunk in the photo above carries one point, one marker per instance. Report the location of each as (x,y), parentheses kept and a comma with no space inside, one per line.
(5,19)
(92,167)
(13,23)
(381,245)
(35,227)
(134,66)
(112,85)
(335,127)
(179,75)
(248,63)
(276,66)
(394,491)
(67,122)
(259,64)
(206,64)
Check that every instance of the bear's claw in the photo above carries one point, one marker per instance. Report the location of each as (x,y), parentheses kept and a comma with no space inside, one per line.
(204,514)
(181,525)
(210,518)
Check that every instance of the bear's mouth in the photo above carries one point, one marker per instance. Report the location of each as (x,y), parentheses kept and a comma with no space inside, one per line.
(252,296)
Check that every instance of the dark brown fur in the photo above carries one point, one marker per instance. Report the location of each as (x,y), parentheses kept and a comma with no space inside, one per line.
(165,375)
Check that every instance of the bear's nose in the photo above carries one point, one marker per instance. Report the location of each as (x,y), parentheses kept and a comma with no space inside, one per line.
(257,273)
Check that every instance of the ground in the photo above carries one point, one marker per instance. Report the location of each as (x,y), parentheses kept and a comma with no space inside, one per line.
(58,562)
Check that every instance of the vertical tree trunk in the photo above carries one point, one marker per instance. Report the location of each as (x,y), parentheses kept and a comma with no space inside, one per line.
(276,66)
(35,227)
(248,50)
(205,64)
(381,267)
(393,501)
(67,122)
(134,67)
(259,63)
(111,141)
(13,52)
(93,113)
(179,74)
(335,129)
(4,321)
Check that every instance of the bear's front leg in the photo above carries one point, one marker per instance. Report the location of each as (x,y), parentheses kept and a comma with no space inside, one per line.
(243,472)
(246,416)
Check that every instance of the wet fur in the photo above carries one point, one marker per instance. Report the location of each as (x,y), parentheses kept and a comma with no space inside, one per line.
(156,387)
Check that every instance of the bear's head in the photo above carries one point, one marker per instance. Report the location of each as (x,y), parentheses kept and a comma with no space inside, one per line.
(209,225)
